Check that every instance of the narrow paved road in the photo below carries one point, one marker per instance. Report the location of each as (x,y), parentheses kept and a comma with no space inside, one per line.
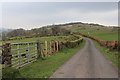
(87,63)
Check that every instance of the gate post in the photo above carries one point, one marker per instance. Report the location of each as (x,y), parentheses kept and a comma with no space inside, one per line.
(50,48)
(46,50)
(6,55)
(38,49)
(57,46)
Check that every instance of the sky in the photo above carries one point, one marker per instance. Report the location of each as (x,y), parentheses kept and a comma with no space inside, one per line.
(30,15)
(59,0)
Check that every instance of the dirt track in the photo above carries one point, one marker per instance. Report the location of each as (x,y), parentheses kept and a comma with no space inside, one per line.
(87,63)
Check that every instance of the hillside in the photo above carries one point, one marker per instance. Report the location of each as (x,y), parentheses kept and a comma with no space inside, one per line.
(95,30)
(64,29)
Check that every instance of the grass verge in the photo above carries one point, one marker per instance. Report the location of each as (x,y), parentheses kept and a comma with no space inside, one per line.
(110,55)
(45,68)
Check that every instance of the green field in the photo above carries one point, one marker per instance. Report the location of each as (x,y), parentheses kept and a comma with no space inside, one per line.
(42,39)
(103,33)
(43,68)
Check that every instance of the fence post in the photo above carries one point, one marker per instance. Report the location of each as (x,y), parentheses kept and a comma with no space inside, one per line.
(6,55)
(57,46)
(60,43)
(46,48)
(18,48)
(28,52)
(50,48)
(38,49)
(54,47)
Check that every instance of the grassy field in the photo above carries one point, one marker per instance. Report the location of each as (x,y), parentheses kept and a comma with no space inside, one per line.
(110,55)
(103,33)
(43,68)
(42,39)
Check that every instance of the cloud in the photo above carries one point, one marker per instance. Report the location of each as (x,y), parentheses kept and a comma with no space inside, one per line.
(59,1)
(37,16)
(0,15)
(106,17)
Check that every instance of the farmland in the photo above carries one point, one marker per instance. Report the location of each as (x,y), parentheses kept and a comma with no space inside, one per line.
(49,63)
(40,39)
(104,33)
(42,61)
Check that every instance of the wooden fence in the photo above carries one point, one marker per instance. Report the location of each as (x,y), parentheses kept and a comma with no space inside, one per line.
(19,54)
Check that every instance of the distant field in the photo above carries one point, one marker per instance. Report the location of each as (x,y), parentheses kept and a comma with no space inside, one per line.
(98,32)
(42,39)
(34,39)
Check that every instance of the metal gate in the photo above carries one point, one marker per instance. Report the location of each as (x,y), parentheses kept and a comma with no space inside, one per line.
(23,53)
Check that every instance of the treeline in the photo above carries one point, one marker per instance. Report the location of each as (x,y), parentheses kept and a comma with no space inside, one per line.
(38,32)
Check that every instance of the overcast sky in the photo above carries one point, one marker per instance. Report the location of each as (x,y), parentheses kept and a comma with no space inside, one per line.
(29,15)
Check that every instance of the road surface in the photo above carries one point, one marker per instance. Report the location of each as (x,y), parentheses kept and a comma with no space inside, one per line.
(87,63)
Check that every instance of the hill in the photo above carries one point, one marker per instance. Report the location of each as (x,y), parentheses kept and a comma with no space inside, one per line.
(98,30)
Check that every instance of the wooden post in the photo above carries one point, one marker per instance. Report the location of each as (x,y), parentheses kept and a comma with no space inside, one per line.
(54,47)
(46,51)
(28,52)
(38,49)
(60,44)
(50,48)
(19,56)
(57,46)
(6,55)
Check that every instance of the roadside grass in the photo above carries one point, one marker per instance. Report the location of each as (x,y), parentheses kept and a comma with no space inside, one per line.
(44,68)
(110,55)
